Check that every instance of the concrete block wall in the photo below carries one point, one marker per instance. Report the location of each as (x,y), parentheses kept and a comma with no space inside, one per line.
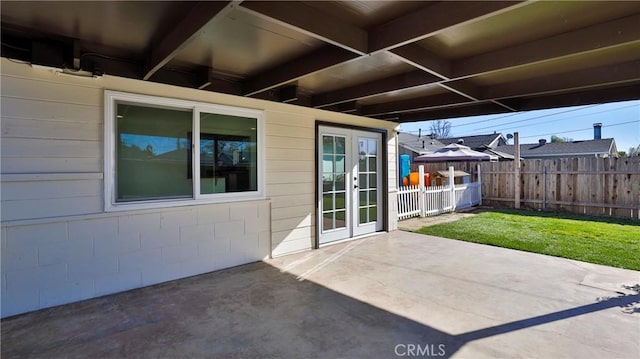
(52,263)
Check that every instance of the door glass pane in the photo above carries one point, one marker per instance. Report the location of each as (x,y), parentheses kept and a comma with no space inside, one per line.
(228,154)
(362,181)
(327,182)
(362,164)
(372,164)
(341,221)
(340,145)
(362,147)
(339,182)
(372,148)
(327,202)
(372,181)
(373,213)
(327,163)
(339,164)
(340,200)
(373,197)
(327,144)
(327,221)
(153,153)
(363,215)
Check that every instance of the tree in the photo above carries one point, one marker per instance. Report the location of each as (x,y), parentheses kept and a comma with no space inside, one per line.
(556,139)
(633,151)
(440,128)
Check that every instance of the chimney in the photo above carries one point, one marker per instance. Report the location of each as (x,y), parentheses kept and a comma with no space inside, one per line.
(597,131)
(542,141)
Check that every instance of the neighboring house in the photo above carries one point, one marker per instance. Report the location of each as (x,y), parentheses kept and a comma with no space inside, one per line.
(412,145)
(477,142)
(589,148)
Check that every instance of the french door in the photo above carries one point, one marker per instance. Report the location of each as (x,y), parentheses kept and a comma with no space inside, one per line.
(349,183)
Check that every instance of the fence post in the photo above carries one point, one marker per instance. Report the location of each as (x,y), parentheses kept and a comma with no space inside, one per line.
(516,170)
(544,192)
(421,191)
(453,189)
(479,185)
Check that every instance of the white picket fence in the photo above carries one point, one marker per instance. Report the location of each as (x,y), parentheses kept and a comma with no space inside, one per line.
(422,201)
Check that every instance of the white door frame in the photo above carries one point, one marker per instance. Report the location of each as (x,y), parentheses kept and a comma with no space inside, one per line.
(343,200)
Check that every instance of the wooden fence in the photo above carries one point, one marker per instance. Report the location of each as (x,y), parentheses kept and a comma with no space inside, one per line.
(586,185)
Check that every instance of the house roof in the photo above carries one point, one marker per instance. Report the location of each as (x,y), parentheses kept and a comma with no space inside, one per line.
(403,61)
(419,145)
(587,147)
(476,141)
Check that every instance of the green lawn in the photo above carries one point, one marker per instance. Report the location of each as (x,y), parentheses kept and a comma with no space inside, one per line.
(611,242)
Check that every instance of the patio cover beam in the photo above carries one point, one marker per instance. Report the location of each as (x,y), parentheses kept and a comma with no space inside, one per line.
(590,39)
(431,19)
(575,80)
(416,104)
(487,108)
(393,83)
(168,45)
(586,97)
(312,22)
(283,74)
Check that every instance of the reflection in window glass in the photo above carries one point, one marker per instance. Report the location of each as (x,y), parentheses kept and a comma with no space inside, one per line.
(228,154)
(152,153)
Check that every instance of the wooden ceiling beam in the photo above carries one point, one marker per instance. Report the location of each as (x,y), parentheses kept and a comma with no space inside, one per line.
(168,45)
(419,57)
(585,97)
(570,81)
(487,108)
(594,38)
(311,21)
(393,83)
(431,19)
(413,105)
(283,74)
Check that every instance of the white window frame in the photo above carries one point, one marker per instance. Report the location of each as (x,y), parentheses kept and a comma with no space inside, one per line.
(110,99)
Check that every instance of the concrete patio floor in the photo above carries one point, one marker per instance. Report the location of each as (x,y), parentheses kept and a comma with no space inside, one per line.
(388,295)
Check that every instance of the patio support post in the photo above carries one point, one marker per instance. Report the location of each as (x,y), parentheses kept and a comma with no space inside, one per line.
(421,191)
(453,189)
(516,170)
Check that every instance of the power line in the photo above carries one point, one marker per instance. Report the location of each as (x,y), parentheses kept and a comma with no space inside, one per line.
(564,119)
(542,116)
(582,129)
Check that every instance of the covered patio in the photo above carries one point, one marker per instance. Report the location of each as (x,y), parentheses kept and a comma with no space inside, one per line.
(386,295)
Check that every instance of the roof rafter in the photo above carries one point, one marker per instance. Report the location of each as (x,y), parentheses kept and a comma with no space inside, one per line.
(486,108)
(417,56)
(416,104)
(283,74)
(586,97)
(167,46)
(430,19)
(595,38)
(393,83)
(313,22)
(591,77)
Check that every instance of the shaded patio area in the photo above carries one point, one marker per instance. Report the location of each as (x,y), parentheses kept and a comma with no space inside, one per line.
(380,296)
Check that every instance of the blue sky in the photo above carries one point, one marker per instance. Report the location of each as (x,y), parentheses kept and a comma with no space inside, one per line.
(620,120)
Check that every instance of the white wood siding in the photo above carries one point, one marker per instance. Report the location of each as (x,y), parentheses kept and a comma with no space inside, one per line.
(59,246)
